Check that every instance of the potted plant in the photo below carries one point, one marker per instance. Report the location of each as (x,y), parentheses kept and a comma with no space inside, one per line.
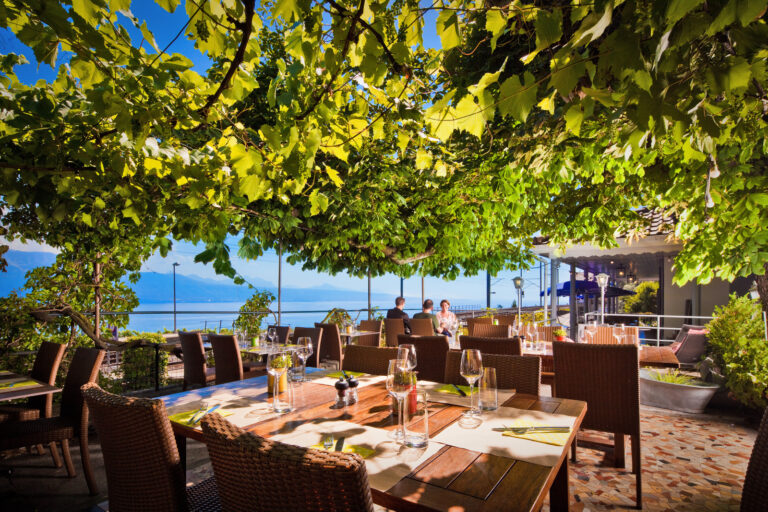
(559,334)
(675,390)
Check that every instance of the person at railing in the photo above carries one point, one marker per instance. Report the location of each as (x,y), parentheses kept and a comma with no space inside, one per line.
(426,312)
(397,312)
(448,321)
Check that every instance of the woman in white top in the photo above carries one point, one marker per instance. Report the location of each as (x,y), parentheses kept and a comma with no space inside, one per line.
(447,319)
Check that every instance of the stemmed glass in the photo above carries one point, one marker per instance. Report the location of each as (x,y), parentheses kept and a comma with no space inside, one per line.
(278,362)
(407,352)
(303,351)
(400,380)
(471,369)
(272,337)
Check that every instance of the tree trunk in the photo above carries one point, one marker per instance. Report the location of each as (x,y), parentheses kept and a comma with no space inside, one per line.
(762,288)
(97,299)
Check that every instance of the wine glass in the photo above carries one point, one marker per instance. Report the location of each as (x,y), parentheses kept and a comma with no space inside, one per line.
(303,351)
(407,352)
(278,362)
(272,337)
(471,369)
(400,380)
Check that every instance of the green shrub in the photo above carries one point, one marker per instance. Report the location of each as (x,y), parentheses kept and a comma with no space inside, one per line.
(138,363)
(738,351)
(251,322)
(644,300)
(675,377)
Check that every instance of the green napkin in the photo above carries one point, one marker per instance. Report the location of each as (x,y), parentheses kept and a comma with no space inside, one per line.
(448,388)
(336,375)
(183,417)
(362,451)
(20,384)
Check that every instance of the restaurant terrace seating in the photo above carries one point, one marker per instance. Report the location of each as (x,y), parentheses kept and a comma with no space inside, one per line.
(521,373)
(282,332)
(491,331)
(505,319)
(229,362)
(690,344)
(604,335)
(394,327)
(373,360)
(371,340)
(606,377)
(196,371)
(508,346)
(330,344)
(257,474)
(142,462)
(72,421)
(472,322)
(422,327)
(430,355)
(315,334)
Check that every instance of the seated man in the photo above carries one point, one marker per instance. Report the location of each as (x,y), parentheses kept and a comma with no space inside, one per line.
(397,312)
(426,312)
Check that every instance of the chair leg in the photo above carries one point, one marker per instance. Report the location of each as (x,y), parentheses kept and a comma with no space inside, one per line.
(85,454)
(637,470)
(67,458)
(55,455)
(618,451)
(39,449)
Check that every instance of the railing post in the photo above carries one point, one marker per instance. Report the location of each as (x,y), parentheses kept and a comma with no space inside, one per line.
(157,366)
(658,330)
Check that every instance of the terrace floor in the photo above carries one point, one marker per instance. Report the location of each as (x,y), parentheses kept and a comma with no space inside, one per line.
(690,463)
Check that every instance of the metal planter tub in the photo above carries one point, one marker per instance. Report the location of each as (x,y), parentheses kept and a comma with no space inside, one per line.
(677,397)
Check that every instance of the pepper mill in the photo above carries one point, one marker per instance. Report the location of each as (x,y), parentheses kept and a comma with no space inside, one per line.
(352,393)
(341,386)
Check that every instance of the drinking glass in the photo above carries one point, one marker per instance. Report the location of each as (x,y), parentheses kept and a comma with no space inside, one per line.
(417,420)
(471,369)
(400,380)
(407,352)
(487,394)
(272,336)
(278,362)
(303,351)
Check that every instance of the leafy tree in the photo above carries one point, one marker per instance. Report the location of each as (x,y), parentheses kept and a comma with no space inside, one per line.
(644,300)
(253,312)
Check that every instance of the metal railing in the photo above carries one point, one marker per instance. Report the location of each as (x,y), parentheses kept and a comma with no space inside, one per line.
(594,316)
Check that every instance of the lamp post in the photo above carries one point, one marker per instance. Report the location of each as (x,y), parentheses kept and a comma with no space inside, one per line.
(602,282)
(518,280)
(174,295)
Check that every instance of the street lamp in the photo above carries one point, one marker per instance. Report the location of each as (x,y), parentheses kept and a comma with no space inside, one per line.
(174,295)
(518,280)
(602,282)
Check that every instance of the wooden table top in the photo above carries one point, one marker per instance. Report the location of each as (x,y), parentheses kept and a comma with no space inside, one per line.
(454,478)
(14,393)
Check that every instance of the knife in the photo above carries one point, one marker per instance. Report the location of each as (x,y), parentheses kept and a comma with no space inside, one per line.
(461,391)
(339,444)
(344,374)
(206,412)
(532,430)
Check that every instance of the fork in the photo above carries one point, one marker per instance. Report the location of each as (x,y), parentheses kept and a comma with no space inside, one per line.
(533,430)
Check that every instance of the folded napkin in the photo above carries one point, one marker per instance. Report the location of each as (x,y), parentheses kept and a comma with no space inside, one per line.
(183,417)
(448,388)
(348,448)
(20,384)
(553,438)
(336,375)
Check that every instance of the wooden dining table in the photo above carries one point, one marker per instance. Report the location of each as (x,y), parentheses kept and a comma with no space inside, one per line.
(16,391)
(453,478)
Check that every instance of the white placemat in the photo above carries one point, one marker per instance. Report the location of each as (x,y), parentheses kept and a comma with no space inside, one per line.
(432,389)
(484,439)
(363,380)
(243,411)
(390,461)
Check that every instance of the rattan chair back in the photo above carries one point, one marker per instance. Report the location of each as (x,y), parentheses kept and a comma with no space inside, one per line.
(492,331)
(422,327)
(316,335)
(430,355)
(508,346)
(45,369)
(754,496)
(257,474)
(472,322)
(506,319)
(394,327)
(83,369)
(521,373)
(605,335)
(193,354)
(330,344)
(373,360)
(226,353)
(141,459)
(369,340)
(282,332)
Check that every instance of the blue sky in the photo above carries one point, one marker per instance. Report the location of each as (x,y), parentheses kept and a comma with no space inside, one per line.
(165,25)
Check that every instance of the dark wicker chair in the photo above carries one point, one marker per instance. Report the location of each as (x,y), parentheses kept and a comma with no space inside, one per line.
(142,463)
(229,362)
(72,421)
(256,474)
(506,319)
(196,371)
(430,355)
(491,331)
(310,332)
(282,332)
(493,345)
(521,373)
(472,322)
(370,340)
(422,327)
(394,327)
(330,344)
(754,496)
(606,377)
(373,360)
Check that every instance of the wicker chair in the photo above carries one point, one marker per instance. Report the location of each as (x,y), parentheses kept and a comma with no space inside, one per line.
(330,344)
(492,331)
(282,332)
(256,474)
(472,322)
(430,355)
(229,362)
(506,319)
(72,420)
(394,327)
(604,335)
(508,346)
(422,327)
(521,373)
(606,377)
(142,463)
(373,360)
(196,371)
(370,340)
(754,496)
(316,335)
